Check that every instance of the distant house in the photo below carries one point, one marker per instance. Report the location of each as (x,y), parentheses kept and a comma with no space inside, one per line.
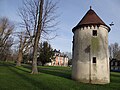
(60,59)
(115,65)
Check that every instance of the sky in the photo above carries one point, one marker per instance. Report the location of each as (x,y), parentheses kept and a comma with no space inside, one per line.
(70,13)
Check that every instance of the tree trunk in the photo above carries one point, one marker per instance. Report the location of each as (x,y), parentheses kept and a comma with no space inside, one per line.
(37,38)
(20,57)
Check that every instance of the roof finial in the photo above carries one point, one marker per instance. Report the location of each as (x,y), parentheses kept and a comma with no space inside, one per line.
(90,7)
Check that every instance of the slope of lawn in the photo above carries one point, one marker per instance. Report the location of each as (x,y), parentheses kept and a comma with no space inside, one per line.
(49,78)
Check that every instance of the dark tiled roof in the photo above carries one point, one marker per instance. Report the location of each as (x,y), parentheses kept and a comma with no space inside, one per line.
(90,18)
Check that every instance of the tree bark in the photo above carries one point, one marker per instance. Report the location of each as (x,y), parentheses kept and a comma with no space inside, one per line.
(37,38)
(20,57)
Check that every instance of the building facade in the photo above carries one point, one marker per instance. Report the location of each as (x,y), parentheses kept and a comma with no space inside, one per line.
(115,65)
(90,62)
(60,59)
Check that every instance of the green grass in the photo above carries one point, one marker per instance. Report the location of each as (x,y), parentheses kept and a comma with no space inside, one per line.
(49,78)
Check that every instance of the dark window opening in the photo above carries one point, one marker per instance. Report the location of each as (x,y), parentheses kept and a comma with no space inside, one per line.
(94,59)
(94,32)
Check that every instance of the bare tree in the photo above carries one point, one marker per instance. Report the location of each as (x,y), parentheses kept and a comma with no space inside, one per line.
(23,43)
(38,18)
(110,52)
(37,37)
(6,40)
(114,50)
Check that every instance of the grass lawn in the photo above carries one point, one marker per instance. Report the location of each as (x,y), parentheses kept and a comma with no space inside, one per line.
(49,78)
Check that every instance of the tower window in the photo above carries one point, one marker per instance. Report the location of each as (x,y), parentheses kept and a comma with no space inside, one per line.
(94,33)
(94,59)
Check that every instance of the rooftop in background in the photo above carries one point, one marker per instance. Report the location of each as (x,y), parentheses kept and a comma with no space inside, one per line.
(58,53)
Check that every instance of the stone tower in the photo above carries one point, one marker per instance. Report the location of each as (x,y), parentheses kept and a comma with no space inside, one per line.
(90,62)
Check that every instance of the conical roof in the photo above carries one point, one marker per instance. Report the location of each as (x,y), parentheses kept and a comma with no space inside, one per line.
(90,18)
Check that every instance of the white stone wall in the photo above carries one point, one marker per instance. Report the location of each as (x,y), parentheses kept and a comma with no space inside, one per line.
(87,46)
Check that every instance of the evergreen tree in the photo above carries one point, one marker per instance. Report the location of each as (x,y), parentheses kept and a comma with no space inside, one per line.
(46,53)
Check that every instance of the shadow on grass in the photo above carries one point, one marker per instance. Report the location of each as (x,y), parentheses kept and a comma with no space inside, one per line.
(115,81)
(24,70)
(17,67)
(115,78)
(28,78)
(3,63)
(56,73)
(51,71)
(115,75)
(60,73)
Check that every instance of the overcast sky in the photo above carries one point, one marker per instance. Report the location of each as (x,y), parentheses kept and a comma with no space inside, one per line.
(71,12)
